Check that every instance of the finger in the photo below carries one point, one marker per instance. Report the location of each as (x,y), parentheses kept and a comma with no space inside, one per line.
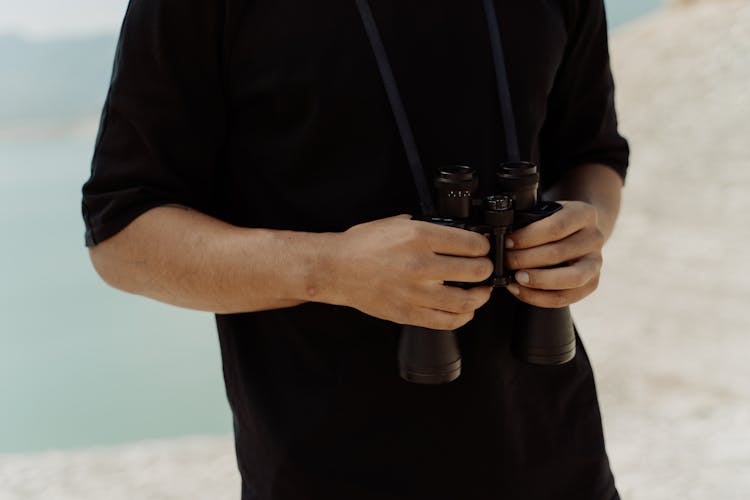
(462,269)
(553,299)
(575,275)
(572,248)
(437,320)
(454,300)
(573,217)
(455,241)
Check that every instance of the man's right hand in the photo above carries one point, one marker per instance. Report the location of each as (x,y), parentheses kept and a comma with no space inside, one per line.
(394,269)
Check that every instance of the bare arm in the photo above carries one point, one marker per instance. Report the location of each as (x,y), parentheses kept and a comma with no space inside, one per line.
(392,268)
(185,258)
(599,186)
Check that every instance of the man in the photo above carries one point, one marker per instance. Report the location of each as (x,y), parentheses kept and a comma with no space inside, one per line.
(248,164)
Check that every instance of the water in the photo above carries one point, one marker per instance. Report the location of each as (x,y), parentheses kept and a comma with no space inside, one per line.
(82,364)
(620,12)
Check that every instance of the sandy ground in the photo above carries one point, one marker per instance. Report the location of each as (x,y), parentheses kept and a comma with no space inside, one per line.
(669,329)
(668,332)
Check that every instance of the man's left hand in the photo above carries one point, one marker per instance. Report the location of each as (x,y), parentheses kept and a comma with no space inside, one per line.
(570,240)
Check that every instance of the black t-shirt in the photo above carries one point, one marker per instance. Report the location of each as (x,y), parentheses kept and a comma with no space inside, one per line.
(271,113)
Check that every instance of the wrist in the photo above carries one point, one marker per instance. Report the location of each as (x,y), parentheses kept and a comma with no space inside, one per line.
(321,269)
(596,184)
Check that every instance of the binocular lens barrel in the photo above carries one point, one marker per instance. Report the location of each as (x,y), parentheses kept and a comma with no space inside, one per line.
(428,356)
(539,336)
(455,187)
(543,336)
(521,181)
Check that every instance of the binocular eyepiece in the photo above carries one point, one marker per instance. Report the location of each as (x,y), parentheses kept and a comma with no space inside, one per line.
(539,336)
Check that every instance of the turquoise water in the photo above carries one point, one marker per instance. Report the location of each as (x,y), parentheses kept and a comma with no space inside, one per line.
(620,12)
(82,364)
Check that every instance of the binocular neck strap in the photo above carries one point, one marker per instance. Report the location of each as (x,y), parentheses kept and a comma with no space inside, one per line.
(503,87)
(397,106)
(399,111)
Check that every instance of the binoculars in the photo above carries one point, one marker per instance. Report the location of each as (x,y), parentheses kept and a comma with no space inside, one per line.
(539,336)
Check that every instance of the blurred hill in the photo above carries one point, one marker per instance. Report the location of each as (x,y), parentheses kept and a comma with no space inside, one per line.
(52,88)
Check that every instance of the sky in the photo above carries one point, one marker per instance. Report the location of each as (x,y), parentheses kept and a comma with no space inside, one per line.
(46,19)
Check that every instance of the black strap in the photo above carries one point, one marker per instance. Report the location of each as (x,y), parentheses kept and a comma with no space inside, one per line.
(503,87)
(399,111)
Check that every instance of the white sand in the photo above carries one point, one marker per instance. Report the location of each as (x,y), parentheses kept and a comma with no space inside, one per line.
(668,331)
(193,468)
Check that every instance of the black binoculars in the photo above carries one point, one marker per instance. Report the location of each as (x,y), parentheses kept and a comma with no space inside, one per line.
(539,336)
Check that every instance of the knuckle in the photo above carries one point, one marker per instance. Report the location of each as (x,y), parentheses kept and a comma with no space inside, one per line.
(483,269)
(489,268)
(594,268)
(558,228)
(460,320)
(481,245)
(477,273)
(558,300)
(455,303)
(406,315)
(446,321)
(582,279)
(451,323)
(414,266)
(476,298)
(579,277)
(556,253)
(519,238)
(598,236)
(410,293)
(512,260)
(443,322)
(467,305)
(483,296)
(426,319)
(417,231)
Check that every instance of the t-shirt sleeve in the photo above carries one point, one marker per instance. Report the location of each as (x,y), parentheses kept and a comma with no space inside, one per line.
(163,124)
(581,122)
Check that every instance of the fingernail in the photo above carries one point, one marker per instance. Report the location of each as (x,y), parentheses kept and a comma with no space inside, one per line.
(509,243)
(522,277)
(513,289)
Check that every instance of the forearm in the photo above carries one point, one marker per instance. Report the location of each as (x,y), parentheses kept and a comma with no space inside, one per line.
(596,184)
(188,259)
(392,268)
